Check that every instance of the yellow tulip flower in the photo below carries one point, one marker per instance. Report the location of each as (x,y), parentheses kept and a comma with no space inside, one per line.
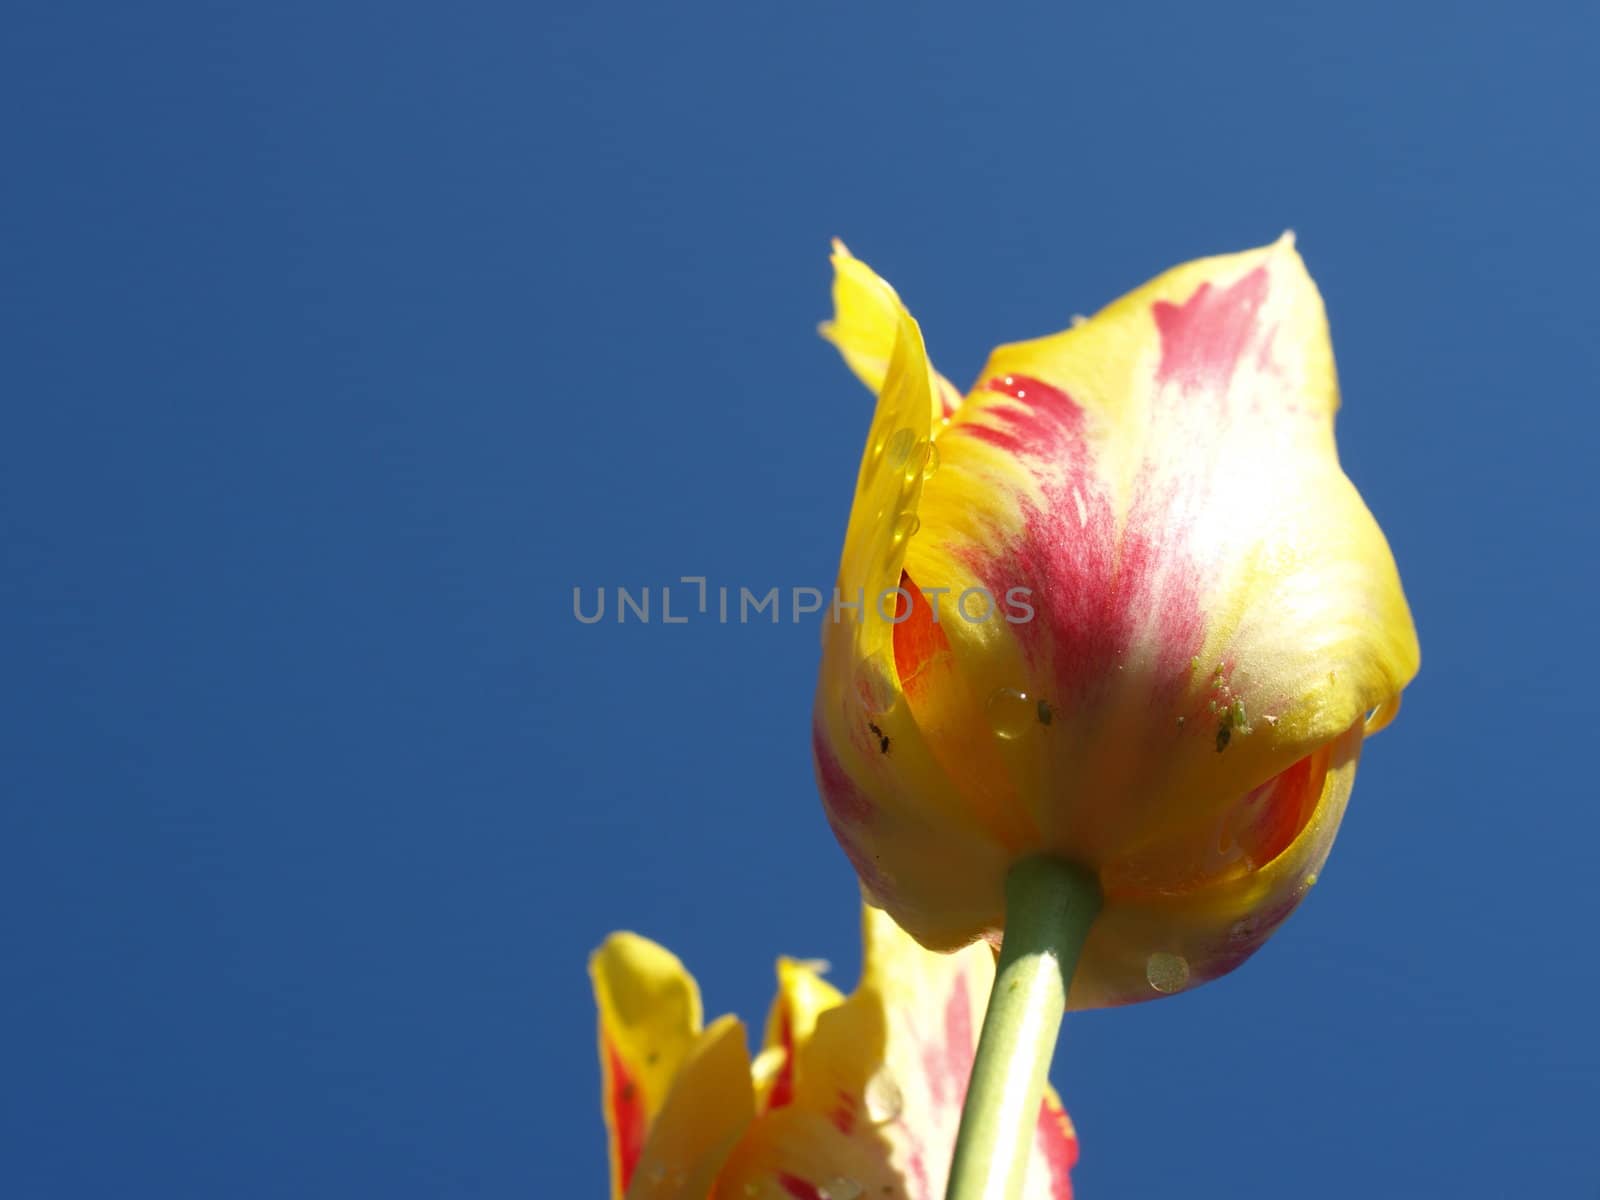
(1143,621)
(850,1099)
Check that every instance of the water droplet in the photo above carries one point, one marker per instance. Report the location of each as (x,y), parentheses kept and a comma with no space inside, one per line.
(905,525)
(897,450)
(882,1098)
(917,461)
(839,1188)
(1311,880)
(1012,712)
(931,466)
(1166,972)
(1243,931)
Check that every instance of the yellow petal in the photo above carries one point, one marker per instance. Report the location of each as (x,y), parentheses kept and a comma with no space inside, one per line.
(869,748)
(649,1021)
(706,1112)
(879,1087)
(866,318)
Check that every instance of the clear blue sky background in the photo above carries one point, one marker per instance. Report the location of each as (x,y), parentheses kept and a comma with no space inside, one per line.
(341,340)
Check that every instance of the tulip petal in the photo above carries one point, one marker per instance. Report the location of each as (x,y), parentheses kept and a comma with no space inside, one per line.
(649,1022)
(867,741)
(1148,942)
(879,1087)
(708,1109)
(866,321)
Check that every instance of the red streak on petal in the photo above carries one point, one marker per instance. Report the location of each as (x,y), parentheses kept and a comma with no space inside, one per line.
(1203,339)
(1044,422)
(799,1188)
(628,1117)
(1053,1138)
(782,1092)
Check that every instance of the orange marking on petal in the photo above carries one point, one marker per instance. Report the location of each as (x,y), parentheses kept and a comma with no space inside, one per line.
(918,637)
(799,1188)
(1281,807)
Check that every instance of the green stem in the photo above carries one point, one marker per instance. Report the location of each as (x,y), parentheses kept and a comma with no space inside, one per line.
(1050,905)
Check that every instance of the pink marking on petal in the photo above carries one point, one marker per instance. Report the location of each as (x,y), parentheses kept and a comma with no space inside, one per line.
(947,1060)
(1055,1141)
(843,1114)
(1203,338)
(919,1174)
(848,811)
(1096,588)
(844,801)
(1243,940)
(958,1041)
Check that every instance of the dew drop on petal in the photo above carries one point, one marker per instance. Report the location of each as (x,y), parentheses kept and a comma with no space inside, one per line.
(917,461)
(1166,972)
(905,525)
(898,449)
(931,466)
(1012,712)
(882,1098)
(1311,880)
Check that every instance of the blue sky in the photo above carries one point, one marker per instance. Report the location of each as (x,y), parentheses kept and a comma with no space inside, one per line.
(343,340)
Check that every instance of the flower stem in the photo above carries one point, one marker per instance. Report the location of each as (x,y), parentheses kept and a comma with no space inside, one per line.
(1050,905)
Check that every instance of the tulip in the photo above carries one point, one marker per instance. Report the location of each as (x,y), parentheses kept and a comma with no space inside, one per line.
(848,1098)
(1117,614)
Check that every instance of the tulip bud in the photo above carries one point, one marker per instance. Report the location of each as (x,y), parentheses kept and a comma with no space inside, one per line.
(1121,607)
